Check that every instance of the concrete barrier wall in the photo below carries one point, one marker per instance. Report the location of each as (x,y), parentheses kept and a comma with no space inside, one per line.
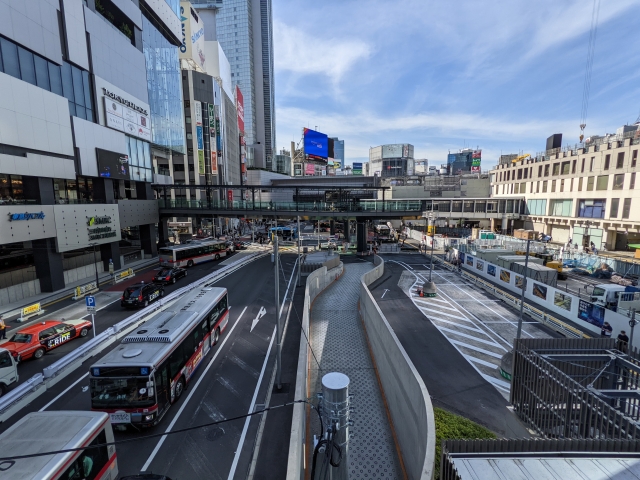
(404,390)
(317,281)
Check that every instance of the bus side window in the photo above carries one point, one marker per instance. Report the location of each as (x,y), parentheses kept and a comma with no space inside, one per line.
(176,362)
(90,462)
(162,385)
(213,316)
(222,305)
(204,328)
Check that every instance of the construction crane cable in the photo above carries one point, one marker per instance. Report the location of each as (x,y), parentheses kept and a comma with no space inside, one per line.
(587,76)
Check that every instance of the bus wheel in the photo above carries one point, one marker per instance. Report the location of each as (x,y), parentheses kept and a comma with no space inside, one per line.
(217,257)
(216,336)
(179,388)
(190,263)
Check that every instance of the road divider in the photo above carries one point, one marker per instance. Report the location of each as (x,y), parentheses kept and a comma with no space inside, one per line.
(30,311)
(84,290)
(28,391)
(123,275)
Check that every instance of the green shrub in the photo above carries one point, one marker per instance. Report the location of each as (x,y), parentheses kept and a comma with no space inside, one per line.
(452,426)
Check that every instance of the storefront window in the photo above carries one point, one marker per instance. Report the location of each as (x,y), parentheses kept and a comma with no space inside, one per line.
(11,189)
(140,159)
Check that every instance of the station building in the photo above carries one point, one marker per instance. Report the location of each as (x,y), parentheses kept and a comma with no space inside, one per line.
(85,108)
(585,192)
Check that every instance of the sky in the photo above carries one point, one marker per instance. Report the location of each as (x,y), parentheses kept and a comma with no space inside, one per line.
(501,76)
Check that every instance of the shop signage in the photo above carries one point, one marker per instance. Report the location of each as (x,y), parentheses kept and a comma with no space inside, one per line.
(125,116)
(98,233)
(26,216)
(124,101)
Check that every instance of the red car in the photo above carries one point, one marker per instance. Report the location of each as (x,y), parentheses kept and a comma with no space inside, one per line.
(35,340)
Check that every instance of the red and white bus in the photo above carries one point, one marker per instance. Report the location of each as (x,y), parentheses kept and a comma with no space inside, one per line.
(137,382)
(189,254)
(52,431)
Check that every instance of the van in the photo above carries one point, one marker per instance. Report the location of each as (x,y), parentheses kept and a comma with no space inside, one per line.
(608,295)
(8,371)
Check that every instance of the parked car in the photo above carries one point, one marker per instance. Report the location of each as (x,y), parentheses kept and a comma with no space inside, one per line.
(35,340)
(8,371)
(141,294)
(169,275)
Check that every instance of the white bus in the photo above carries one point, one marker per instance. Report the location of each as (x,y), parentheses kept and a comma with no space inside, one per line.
(52,431)
(137,382)
(197,251)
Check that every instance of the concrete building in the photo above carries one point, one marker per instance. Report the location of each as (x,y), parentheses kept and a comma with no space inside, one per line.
(394,160)
(76,124)
(586,192)
(244,30)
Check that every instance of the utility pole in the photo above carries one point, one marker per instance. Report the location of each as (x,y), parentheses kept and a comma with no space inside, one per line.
(299,257)
(276,263)
(632,324)
(95,265)
(524,286)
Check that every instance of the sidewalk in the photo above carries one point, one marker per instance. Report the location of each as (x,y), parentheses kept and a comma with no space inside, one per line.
(11,310)
(339,343)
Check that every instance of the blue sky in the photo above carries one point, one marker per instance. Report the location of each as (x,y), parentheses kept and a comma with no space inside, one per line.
(500,75)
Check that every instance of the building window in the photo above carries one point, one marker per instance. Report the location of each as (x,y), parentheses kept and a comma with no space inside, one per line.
(11,191)
(592,208)
(500,176)
(508,176)
(620,160)
(593,159)
(582,168)
(590,182)
(618,181)
(553,185)
(613,213)
(538,186)
(561,208)
(573,167)
(544,186)
(607,159)
(540,171)
(556,169)
(632,181)
(562,185)
(546,170)
(603,182)
(536,207)
(565,168)
(634,158)
(517,188)
(526,173)
(531,187)
(66,80)
(523,187)
(571,186)
(519,174)
(626,208)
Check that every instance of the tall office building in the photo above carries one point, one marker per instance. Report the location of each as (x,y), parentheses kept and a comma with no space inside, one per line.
(76,124)
(244,30)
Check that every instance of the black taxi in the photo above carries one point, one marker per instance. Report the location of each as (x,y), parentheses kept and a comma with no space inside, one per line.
(141,294)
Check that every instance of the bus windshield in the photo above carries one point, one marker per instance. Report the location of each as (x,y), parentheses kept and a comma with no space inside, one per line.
(166,251)
(121,392)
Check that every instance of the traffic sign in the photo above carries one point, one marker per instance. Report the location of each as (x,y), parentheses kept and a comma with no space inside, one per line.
(91,304)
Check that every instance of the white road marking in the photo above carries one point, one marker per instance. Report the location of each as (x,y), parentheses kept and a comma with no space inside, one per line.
(473,347)
(385,292)
(260,314)
(475,339)
(236,457)
(459,325)
(480,361)
(193,390)
(429,311)
(63,392)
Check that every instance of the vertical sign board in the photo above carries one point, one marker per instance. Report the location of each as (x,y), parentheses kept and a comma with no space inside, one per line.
(357,169)
(199,136)
(475,161)
(230,195)
(212,139)
(240,108)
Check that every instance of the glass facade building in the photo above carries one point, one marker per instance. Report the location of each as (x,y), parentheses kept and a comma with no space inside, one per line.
(164,84)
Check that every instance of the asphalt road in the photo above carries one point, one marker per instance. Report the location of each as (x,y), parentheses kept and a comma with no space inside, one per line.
(232,380)
(453,383)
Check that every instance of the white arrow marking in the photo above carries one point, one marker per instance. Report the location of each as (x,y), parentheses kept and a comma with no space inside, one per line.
(255,321)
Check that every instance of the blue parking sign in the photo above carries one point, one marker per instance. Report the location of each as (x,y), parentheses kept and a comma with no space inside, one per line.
(90,301)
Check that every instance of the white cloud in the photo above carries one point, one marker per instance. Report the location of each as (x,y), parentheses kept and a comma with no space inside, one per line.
(304,54)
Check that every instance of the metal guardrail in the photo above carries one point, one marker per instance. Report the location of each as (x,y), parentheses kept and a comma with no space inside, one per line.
(26,392)
(543,317)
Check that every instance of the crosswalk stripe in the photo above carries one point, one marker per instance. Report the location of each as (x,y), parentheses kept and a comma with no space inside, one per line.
(459,325)
(473,347)
(471,358)
(430,312)
(471,337)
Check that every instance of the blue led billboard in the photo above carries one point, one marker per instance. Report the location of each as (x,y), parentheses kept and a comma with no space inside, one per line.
(316,144)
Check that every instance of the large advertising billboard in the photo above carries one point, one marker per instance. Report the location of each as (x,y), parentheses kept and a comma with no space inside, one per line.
(316,144)
(476,159)
(192,48)
(357,169)
(240,108)
(112,165)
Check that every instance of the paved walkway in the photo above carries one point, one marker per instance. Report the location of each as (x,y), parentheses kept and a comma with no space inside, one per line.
(338,341)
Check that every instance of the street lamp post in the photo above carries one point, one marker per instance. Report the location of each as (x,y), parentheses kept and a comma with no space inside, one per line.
(429,289)
(95,264)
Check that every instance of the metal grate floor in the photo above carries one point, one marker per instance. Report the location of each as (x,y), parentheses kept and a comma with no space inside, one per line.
(339,343)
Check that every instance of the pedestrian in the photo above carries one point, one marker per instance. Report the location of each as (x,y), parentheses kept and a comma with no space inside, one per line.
(623,341)
(3,328)
(606,330)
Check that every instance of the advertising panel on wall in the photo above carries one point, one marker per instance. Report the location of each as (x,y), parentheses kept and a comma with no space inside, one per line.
(593,314)
(310,169)
(357,169)
(79,226)
(112,164)
(316,144)
(476,159)
(240,108)
(192,47)
(125,116)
